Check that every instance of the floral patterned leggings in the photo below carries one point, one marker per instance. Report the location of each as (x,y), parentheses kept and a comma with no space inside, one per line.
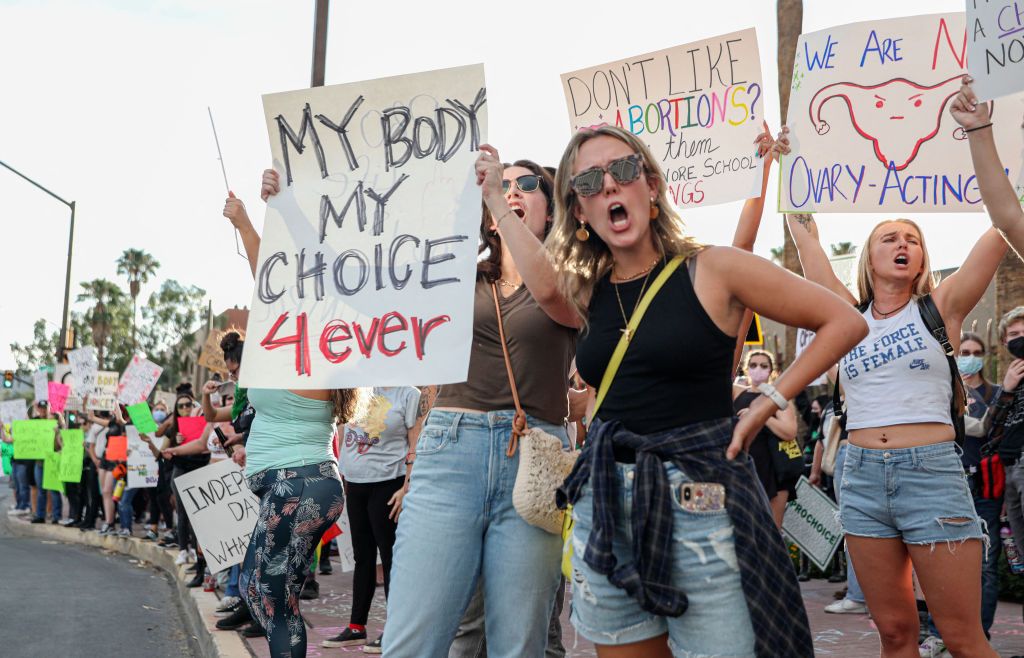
(296,506)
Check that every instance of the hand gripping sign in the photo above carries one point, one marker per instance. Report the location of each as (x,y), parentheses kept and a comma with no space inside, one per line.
(870,125)
(368,255)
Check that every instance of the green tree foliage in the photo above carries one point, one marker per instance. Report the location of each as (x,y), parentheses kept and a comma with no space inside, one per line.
(842,249)
(170,318)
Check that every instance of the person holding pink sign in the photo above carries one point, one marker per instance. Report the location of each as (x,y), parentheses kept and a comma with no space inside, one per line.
(184,406)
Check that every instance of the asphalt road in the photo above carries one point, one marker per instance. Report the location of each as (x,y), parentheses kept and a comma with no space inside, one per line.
(66,600)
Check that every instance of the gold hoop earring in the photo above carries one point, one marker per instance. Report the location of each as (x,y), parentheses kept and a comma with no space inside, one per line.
(655,211)
(582,234)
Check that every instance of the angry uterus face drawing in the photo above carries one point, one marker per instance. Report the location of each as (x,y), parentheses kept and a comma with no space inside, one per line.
(897,116)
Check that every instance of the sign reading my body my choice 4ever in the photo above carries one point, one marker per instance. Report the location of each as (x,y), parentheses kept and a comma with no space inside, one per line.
(698,108)
(368,254)
(870,126)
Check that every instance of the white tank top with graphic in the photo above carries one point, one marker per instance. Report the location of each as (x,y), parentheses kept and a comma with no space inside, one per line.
(897,375)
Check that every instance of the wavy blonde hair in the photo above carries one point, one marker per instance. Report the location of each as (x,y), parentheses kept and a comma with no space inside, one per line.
(923,284)
(581,264)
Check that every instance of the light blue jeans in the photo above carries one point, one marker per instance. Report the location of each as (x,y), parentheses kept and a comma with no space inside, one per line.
(853,590)
(458,525)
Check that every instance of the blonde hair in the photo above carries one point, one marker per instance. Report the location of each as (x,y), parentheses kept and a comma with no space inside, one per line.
(772,372)
(923,284)
(580,264)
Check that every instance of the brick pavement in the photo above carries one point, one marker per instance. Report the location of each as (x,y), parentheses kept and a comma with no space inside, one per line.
(835,636)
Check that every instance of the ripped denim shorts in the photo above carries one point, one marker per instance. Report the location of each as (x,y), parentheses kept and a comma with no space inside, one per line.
(704,565)
(919,495)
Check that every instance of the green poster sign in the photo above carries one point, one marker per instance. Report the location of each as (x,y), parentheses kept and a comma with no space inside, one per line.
(51,472)
(6,453)
(33,439)
(71,455)
(142,417)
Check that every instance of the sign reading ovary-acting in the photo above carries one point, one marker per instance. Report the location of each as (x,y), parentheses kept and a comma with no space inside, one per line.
(221,509)
(366,267)
(995,47)
(870,126)
(698,107)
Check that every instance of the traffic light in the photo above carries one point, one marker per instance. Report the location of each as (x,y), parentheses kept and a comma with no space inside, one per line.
(8,378)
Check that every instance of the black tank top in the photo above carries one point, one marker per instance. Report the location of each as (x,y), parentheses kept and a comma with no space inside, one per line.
(678,368)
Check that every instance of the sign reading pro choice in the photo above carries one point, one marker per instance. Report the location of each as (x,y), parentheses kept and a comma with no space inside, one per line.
(368,255)
(698,108)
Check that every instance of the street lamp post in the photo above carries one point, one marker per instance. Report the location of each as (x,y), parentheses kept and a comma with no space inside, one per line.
(319,43)
(67,275)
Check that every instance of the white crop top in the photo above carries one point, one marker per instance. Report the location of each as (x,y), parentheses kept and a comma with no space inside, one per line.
(897,375)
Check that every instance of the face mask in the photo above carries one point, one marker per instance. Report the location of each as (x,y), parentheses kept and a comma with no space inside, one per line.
(1016,347)
(969,365)
(815,420)
(159,415)
(758,376)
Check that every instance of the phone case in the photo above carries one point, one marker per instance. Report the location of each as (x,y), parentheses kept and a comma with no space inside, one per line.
(701,496)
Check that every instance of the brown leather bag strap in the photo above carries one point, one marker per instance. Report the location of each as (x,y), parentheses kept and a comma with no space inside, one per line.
(519,422)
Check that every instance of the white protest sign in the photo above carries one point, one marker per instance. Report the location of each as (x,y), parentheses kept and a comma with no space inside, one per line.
(803,339)
(40,380)
(221,509)
(810,523)
(995,47)
(83,368)
(368,255)
(143,468)
(103,396)
(62,375)
(698,107)
(870,126)
(12,410)
(138,380)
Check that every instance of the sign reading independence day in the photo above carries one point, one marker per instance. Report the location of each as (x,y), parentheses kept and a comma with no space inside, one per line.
(368,255)
(698,108)
(870,125)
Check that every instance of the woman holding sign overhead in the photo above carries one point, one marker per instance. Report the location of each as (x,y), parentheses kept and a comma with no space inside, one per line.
(290,466)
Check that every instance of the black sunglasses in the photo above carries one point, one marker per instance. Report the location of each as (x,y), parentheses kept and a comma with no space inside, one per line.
(591,181)
(525,183)
(185,405)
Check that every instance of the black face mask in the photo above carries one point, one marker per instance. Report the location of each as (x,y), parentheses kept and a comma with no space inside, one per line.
(815,421)
(1016,347)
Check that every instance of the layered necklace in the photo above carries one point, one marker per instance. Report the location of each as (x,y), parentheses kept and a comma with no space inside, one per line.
(646,273)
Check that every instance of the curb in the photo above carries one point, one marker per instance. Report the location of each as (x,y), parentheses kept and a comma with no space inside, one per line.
(198,606)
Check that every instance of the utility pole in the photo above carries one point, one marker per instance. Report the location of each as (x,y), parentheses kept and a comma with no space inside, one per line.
(319,42)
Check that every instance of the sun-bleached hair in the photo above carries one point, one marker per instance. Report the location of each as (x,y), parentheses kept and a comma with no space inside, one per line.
(580,264)
(923,284)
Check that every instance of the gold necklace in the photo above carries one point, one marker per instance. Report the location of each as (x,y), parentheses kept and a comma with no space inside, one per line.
(646,270)
(508,284)
(626,331)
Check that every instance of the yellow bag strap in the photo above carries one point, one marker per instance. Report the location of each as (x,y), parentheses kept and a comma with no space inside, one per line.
(634,322)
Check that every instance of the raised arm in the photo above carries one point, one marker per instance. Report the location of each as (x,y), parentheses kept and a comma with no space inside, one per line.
(1001,200)
(753,209)
(234,210)
(527,251)
(211,413)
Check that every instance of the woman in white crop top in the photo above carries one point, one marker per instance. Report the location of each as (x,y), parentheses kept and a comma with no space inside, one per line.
(905,500)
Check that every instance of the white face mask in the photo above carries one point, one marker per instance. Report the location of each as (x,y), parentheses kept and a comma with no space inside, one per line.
(758,376)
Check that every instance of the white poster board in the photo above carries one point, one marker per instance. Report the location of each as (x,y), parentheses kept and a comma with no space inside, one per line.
(698,107)
(138,380)
(62,375)
(870,126)
(803,339)
(143,468)
(995,47)
(83,368)
(222,511)
(810,523)
(103,396)
(12,410)
(40,380)
(368,254)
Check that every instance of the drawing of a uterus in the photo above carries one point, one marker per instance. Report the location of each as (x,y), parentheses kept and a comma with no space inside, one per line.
(897,116)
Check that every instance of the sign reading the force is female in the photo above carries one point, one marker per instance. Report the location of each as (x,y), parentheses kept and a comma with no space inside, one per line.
(870,126)
(698,107)
(995,47)
(222,511)
(368,255)
(810,523)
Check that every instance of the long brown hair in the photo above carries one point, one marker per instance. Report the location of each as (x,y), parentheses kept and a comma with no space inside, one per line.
(346,403)
(489,267)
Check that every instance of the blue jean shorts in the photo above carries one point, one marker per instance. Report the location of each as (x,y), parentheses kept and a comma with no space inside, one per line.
(919,495)
(704,565)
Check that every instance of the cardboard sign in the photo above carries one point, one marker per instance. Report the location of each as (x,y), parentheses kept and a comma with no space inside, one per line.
(191,427)
(698,107)
(143,468)
(40,382)
(810,523)
(142,417)
(222,510)
(58,395)
(12,410)
(212,356)
(72,453)
(138,380)
(33,439)
(995,47)
(870,125)
(103,395)
(368,254)
(83,368)
(117,449)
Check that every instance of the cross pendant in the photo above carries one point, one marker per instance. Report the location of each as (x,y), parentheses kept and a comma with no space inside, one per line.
(628,333)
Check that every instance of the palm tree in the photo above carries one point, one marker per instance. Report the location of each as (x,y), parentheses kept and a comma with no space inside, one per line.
(789,19)
(778,254)
(138,266)
(843,249)
(103,294)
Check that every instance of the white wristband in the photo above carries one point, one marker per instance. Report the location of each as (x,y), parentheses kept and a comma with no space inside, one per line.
(772,394)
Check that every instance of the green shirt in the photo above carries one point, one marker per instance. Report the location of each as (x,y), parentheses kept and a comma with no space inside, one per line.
(288,430)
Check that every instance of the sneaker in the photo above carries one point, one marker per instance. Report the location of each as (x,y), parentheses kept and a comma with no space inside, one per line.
(68,522)
(169,540)
(36,519)
(846,607)
(375,646)
(254,630)
(106,529)
(238,618)
(182,558)
(55,521)
(932,647)
(191,555)
(310,591)
(227,605)
(19,512)
(150,536)
(326,569)
(124,532)
(346,638)
(197,580)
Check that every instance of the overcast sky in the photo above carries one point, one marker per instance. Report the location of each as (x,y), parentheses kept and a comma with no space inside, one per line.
(104,102)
